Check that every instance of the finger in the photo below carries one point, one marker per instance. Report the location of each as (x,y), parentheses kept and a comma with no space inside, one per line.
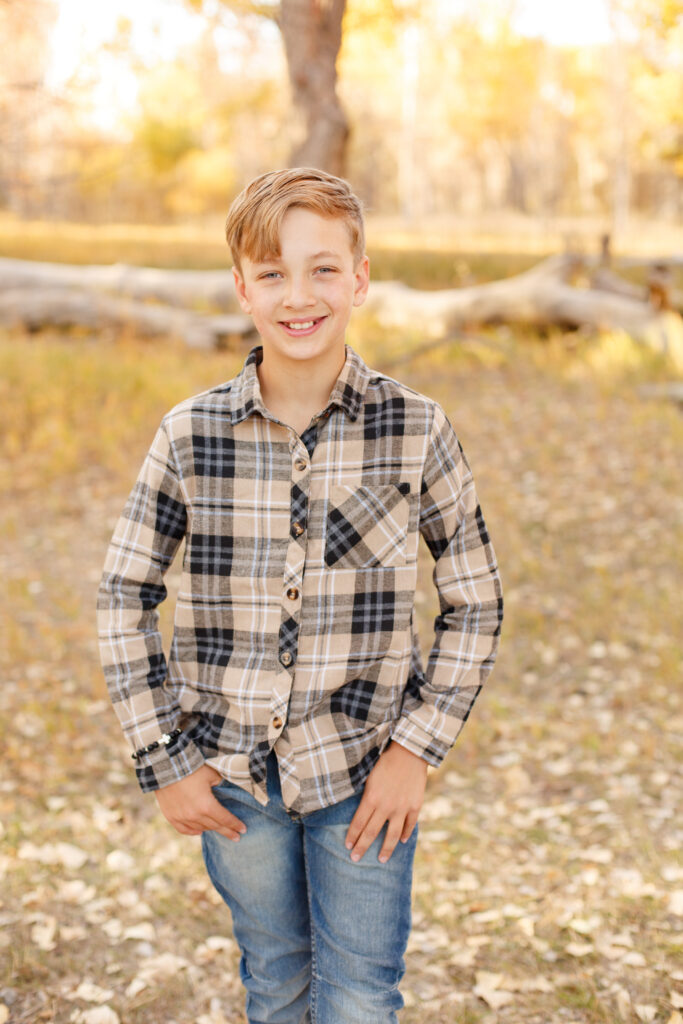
(226,824)
(368,836)
(410,823)
(390,840)
(184,828)
(209,821)
(358,822)
(208,825)
(229,833)
(225,819)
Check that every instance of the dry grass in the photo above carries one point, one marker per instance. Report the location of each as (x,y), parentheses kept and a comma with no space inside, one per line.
(550,848)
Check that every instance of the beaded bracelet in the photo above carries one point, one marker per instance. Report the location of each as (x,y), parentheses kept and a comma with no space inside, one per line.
(163,741)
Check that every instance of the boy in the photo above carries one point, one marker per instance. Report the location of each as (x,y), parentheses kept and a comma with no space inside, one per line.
(293,724)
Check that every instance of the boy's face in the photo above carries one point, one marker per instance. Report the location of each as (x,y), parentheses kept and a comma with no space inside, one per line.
(302,300)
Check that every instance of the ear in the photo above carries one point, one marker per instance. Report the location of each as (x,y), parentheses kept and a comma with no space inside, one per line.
(362,275)
(241,290)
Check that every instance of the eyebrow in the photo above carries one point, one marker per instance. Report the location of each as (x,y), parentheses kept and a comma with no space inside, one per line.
(324,254)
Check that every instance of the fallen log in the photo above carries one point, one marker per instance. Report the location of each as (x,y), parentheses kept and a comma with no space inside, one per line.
(43,294)
(672,390)
(540,297)
(204,289)
(70,307)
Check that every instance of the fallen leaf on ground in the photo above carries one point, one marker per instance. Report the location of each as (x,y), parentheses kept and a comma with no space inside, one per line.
(597,854)
(526,925)
(214,1016)
(633,959)
(91,993)
(144,931)
(214,945)
(464,957)
(487,988)
(579,948)
(585,925)
(624,1004)
(629,882)
(119,860)
(113,928)
(75,890)
(539,983)
(66,854)
(646,1013)
(675,905)
(43,933)
(97,1015)
(165,965)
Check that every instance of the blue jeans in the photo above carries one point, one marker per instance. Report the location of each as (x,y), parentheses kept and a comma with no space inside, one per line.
(322,938)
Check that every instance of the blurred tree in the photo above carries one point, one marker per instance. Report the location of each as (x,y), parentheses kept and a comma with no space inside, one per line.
(657,83)
(25,104)
(492,117)
(312,33)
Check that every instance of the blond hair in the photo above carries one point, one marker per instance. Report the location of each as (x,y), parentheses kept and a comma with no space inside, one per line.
(252,228)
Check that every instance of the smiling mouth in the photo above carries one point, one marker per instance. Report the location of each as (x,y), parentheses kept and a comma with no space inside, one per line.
(302,326)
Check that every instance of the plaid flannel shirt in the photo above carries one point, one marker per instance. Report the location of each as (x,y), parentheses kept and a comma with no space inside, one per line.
(294,618)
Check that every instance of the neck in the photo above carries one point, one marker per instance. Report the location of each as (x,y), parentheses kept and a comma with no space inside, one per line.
(299,389)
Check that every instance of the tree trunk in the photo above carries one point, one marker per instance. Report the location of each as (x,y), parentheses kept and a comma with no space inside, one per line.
(312,34)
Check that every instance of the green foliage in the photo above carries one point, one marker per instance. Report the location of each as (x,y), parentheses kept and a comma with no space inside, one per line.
(164,142)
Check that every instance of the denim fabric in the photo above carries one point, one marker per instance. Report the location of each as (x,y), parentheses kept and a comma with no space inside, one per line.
(322,937)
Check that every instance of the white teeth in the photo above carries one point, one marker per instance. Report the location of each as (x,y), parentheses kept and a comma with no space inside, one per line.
(301,327)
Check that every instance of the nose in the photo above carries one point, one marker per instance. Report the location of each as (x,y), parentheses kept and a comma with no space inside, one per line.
(299,292)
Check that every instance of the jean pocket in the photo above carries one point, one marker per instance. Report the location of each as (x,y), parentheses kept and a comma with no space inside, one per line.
(367,526)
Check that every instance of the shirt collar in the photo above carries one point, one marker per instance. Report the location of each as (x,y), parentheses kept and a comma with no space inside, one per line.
(348,392)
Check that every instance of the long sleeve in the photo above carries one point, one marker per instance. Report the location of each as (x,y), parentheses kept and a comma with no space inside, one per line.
(467,628)
(145,541)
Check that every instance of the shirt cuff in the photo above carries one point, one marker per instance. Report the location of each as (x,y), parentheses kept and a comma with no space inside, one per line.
(411,734)
(166,765)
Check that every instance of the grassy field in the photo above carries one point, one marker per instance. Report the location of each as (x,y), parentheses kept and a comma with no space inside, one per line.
(442,254)
(549,883)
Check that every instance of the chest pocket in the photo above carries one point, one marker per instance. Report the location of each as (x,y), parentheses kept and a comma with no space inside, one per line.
(367,526)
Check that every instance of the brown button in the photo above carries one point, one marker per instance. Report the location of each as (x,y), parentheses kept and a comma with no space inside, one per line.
(292,593)
(276,723)
(300,464)
(297,529)
(286,658)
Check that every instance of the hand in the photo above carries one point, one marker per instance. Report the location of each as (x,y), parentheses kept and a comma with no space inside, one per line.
(394,791)
(190,806)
